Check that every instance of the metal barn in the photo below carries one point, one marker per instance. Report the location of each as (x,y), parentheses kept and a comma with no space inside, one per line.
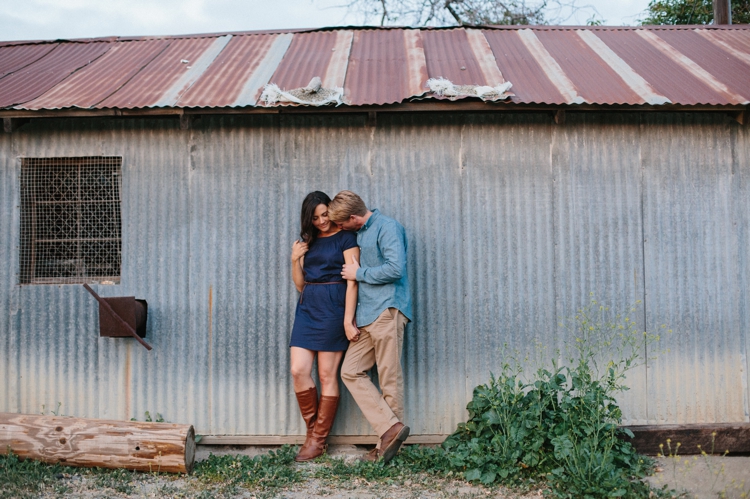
(172,169)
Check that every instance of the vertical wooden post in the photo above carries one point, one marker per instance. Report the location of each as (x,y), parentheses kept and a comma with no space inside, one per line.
(722,12)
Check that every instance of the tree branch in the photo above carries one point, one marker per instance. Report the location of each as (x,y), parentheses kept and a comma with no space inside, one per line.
(449,6)
(385,13)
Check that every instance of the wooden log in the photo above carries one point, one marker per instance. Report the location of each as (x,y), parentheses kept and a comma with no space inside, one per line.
(732,437)
(132,445)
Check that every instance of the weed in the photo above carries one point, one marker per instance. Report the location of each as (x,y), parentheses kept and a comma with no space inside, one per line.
(118,480)
(560,427)
(268,471)
(28,478)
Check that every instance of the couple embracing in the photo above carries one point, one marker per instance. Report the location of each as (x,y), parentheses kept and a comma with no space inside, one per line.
(350,270)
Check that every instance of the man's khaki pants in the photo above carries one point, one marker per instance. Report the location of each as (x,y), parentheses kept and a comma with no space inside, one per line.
(380,343)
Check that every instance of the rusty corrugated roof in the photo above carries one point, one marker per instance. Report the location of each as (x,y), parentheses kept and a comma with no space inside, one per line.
(684,65)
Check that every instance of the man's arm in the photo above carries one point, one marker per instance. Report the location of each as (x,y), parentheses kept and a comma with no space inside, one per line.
(391,241)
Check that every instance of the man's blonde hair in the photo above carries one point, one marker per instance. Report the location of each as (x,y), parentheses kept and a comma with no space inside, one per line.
(344,205)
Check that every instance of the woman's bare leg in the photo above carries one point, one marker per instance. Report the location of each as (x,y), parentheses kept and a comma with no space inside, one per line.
(328,370)
(302,362)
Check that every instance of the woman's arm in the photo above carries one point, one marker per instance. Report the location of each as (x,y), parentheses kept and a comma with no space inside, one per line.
(298,258)
(350,326)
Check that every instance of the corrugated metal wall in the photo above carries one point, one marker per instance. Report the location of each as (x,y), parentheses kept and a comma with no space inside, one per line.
(512,222)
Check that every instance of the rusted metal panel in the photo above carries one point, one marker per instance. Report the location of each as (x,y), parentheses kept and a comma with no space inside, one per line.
(659,70)
(376,53)
(518,65)
(449,56)
(97,81)
(13,58)
(38,77)
(309,55)
(238,74)
(728,41)
(727,70)
(586,70)
(156,81)
(632,79)
(550,67)
(692,67)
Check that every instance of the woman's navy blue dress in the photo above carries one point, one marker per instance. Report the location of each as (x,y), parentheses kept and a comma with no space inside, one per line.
(319,320)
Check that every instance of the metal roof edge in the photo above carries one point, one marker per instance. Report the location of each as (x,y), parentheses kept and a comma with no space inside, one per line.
(420,106)
(539,27)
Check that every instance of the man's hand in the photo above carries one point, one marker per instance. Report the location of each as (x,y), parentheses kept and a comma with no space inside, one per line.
(349,271)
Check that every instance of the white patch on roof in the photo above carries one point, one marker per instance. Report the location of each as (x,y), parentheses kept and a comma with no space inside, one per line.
(622,68)
(485,57)
(312,95)
(551,68)
(691,66)
(445,88)
(260,78)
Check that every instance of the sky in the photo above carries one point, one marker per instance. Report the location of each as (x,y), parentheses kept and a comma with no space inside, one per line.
(52,19)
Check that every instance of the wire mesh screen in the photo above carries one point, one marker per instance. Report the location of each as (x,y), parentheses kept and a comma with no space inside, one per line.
(71,229)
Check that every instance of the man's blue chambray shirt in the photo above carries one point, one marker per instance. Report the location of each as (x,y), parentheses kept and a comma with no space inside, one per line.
(382,274)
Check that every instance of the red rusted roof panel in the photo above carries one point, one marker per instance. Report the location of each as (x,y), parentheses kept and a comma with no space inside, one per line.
(102,78)
(449,56)
(727,68)
(592,77)
(223,82)
(664,74)
(546,64)
(13,58)
(36,78)
(308,56)
(519,67)
(153,81)
(377,72)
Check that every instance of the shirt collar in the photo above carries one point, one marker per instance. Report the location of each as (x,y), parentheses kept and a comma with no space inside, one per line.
(375,214)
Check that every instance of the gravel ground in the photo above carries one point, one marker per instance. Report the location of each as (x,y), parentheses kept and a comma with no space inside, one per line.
(696,477)
(144,485)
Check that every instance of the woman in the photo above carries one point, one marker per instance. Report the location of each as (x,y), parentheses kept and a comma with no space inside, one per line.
(324,321)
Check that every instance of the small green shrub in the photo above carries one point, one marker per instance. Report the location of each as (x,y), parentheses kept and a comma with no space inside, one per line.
(561,423)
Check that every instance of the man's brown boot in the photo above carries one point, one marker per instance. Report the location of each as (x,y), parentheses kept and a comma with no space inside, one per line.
(317,442)
(391,441)
(308,406)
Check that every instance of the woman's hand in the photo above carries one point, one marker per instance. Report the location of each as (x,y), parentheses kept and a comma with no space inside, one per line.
(298,250)
(351,331)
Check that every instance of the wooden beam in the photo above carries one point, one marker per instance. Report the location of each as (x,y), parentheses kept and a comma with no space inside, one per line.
(722,12)
(560,116)
(132,445)
(734,437)
(10,125)
(740,117)
(299,439)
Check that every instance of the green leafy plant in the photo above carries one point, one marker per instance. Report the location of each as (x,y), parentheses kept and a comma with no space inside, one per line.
(561,424)
(273,470)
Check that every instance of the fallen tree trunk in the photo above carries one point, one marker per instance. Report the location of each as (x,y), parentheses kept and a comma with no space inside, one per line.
(160,447)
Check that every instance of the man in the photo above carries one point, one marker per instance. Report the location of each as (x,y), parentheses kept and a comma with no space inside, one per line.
(383,309)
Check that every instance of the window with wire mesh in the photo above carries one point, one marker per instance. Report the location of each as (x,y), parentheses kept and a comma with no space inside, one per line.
(71,229)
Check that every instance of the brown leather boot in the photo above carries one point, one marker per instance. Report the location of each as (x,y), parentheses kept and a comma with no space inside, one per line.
(308,406)
(317,443)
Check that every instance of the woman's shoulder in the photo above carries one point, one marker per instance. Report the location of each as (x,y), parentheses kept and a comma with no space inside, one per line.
(348,238)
